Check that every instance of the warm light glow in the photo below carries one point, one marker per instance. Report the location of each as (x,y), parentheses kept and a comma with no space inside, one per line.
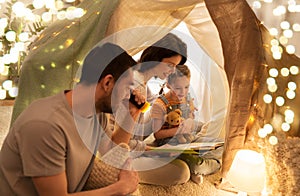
(292,86)
(290,94)
(256,5)
(283,40)
(46,16)
(23,37)
(288,33)
(272,88)
(289,120)
(285,25)
(271,81)
(274,42)
(285,71)
(267,98)
(13,92)
(38,3)
(11,36)
(294,70)
(61,15)
(285,127)
(273,32)
(262,133)
(290,49)
(273,72)
(273,140)
(268,128)
(289,113)
(247,171)
(2,94)
(296,27)
(18,8)
(7,84)
(277,55)
(280,101)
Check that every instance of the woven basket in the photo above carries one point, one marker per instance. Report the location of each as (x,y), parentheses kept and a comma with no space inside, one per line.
(106,169)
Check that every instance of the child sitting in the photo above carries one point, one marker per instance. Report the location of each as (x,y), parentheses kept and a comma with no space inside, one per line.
(178,100)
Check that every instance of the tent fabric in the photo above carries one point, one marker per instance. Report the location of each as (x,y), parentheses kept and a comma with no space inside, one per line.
(55,56)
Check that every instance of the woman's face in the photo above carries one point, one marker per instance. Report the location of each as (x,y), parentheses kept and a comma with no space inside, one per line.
(167,66)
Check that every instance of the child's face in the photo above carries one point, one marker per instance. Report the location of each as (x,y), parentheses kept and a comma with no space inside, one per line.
(180,87)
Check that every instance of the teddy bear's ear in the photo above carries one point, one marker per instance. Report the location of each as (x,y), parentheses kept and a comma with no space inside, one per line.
(178,111)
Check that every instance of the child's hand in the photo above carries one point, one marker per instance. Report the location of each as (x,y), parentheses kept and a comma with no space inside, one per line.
(186,126)
(139,97)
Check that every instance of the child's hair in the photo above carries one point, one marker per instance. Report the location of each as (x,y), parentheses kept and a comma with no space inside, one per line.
(181,70)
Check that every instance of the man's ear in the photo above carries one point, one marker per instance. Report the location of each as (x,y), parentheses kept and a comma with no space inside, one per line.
(108,83)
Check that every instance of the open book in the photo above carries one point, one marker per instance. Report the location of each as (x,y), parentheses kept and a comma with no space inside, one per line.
(191,148)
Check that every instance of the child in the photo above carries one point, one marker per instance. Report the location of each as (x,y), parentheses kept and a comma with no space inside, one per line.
(178,98)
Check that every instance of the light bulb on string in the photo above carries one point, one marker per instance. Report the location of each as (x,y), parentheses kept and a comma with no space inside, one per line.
(296,27)
(280,101)
(285,126)
(273,72)
(290,94)
(268,128)
(294,70)
(267,98)
(262,133)
(271,81)
(285,72)
(273,140)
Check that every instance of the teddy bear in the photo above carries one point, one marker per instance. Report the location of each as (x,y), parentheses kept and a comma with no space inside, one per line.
(174,118)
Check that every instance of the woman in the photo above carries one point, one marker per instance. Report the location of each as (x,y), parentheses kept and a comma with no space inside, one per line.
(158,60)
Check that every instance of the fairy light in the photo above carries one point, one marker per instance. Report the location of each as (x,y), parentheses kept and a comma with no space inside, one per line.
(267,98)
(272,88)
(292,86)
(262,133)
(268,128)
(7,84)
(273,140)
(285,72)
(273,72)
(294,70)
(283,40)
(285,126)
(277,55)
(38,4)
(10,36)
(280,101)
(13,92)
(285,25)
(273,32)
(271,81)
(256,4)
(288,33)
(296,27)
(290,49)
(290,94)
(2,94)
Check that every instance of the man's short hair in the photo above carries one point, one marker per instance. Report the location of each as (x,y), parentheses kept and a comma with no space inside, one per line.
(103,60)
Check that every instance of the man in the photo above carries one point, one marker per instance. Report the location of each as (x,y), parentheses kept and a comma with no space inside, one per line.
(49,149)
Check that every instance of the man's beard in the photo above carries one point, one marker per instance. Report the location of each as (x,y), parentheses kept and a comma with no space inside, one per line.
(104,105)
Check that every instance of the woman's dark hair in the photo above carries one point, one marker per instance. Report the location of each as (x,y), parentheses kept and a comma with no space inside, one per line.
(103,60)
(169,46)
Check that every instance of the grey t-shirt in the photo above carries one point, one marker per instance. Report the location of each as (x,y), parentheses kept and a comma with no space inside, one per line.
(45,141)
